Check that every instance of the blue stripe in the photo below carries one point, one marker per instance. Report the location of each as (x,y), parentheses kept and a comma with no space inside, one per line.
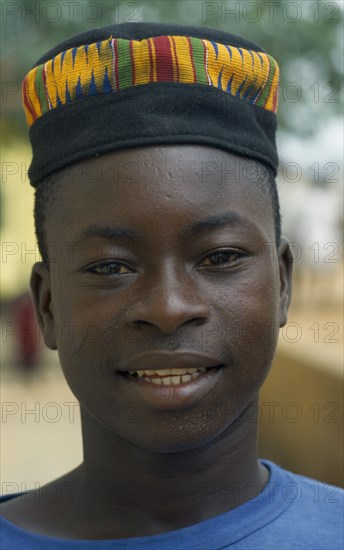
(219,85)
(229,84)
(228,48)
(215,48)
(238,92)
(255,97)
(93,88)
(248,91)
(58,100)
(67,94)
(106,82)
(74,50)
(79,94)
(62,59)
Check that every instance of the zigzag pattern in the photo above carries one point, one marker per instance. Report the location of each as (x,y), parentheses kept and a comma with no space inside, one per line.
(115,64)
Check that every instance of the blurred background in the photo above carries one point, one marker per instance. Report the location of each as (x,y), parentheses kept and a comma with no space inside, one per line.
(301,403)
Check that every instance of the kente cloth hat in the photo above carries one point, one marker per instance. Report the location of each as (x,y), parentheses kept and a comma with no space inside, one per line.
(136,84)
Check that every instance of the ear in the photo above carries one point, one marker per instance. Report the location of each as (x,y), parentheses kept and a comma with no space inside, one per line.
(285,263)
(41,292)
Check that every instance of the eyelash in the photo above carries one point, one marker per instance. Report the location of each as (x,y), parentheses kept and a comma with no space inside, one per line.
(228,252)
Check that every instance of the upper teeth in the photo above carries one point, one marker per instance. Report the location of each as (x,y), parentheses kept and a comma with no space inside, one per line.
(166,372)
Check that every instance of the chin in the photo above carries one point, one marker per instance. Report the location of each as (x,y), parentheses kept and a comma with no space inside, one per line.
(184,432)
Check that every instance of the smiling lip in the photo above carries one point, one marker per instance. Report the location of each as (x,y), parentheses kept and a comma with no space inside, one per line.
(171,397)
(159,360)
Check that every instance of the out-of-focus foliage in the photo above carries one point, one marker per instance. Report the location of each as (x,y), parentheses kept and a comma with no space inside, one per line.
(305,37)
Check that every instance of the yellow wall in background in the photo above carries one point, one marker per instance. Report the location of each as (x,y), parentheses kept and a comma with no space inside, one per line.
(18,242)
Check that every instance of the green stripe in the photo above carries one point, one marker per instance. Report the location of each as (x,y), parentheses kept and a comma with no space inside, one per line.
(39,85)
(198,59)
(262,100)
(124,63)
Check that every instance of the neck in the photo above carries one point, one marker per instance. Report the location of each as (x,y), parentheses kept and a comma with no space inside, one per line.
(171,490)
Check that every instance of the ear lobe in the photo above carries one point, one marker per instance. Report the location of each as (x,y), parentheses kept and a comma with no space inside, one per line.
(285,262)
(41,293)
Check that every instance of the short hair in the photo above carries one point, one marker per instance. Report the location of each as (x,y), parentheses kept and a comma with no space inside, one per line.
(48,195)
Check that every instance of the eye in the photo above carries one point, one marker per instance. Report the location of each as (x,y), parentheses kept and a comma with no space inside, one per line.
(223,257)
(109,268)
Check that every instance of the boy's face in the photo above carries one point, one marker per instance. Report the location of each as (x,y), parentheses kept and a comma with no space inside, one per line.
(168,292)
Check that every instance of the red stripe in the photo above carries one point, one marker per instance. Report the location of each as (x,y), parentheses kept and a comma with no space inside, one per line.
(27,101)
(116,64)
(164,61)
(275,100)
(37,95)
(192,61)
(132,63)
(176,59)
(151,75)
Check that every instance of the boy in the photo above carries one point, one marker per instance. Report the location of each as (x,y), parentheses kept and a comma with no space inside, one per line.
(163,283)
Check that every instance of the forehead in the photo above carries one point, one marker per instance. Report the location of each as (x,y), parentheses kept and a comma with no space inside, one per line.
(162,186)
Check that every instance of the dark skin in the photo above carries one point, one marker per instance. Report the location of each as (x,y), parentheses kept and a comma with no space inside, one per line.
(154,470)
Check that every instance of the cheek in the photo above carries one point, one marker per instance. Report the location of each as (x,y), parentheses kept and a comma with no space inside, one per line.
(250,326)
(83,315)
(86,338)
(250,307)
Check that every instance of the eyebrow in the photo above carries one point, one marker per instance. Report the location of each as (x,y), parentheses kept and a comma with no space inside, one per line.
(110,232)
(231,219)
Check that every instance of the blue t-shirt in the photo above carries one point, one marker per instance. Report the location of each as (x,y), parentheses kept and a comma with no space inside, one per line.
(291,512)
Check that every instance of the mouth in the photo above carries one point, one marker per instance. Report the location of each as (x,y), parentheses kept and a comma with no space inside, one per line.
(173,388)
(168,377)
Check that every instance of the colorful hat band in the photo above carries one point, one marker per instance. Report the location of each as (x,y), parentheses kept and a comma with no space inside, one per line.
(143,84)
(114,64)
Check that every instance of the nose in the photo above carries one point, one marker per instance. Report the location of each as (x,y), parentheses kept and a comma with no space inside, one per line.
(168,302)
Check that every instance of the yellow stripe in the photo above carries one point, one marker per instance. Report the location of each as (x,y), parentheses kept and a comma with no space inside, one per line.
(258,71)
(141,61)
(70,73)
(153,58)
(50,82)
(248,72)
(264,70)
(32,93)
(224,59)
(86,66)
(220,63)
(184,59)
(239,74)
(84,69)
(60,77)
(273,91)
(99,65)
(66,74)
